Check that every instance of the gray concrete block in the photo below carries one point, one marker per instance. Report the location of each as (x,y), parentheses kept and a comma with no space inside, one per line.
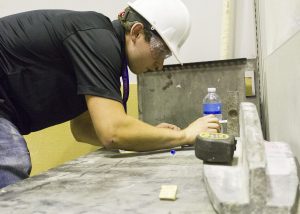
(254,155)
(226,185)
(261,179)
(282,179)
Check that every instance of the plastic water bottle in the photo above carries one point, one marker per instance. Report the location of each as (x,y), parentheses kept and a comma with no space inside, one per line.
(212,104)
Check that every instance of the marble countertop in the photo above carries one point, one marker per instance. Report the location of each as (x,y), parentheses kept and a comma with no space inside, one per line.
(110,182)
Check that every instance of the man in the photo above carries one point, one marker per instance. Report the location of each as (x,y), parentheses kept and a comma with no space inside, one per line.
(58,65)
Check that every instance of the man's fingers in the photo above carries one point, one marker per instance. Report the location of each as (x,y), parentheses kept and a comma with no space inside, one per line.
(212,130)
(176,128)
(215,126)
(209,116)
(170,126)
(213,120)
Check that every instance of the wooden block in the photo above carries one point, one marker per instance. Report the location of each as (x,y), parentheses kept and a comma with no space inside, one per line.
(168,192)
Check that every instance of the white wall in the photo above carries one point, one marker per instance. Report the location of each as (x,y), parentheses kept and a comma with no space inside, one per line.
(204,42)
(282,101)
(245,30)
(280,68)
(279,20)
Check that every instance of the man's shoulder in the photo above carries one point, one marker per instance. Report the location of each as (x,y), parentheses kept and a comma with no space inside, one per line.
(68,22)
(81,19)
(66,18)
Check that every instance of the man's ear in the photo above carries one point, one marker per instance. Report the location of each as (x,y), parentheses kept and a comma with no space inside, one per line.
(136,31)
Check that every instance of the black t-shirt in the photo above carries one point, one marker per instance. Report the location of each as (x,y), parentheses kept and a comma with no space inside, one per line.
(50,59)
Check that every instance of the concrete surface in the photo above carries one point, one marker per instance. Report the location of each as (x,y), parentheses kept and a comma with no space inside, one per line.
(108,182)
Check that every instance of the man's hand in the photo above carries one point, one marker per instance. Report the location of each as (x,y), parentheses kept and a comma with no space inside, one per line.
(168,126)
(204,124)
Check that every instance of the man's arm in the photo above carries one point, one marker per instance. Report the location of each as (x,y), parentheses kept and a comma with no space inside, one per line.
(83,130)
(116,130)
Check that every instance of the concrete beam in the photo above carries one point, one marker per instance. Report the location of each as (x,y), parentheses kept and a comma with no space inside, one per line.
(262,177)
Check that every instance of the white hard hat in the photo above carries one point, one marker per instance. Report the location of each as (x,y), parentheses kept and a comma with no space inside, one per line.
(170,18)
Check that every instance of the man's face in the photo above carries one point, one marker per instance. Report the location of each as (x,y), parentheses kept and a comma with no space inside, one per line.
(144,56)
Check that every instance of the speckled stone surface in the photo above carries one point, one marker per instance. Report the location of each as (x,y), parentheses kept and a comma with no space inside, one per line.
(109,182)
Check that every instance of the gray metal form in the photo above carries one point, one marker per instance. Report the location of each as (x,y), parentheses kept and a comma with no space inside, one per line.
(175,95)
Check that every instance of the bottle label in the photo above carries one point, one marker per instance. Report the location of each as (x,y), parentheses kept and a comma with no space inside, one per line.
(212,108)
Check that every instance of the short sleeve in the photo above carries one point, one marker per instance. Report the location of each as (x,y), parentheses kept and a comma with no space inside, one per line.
(96,57)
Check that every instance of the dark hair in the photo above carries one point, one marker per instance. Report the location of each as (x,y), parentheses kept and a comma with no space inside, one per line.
(129,17)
